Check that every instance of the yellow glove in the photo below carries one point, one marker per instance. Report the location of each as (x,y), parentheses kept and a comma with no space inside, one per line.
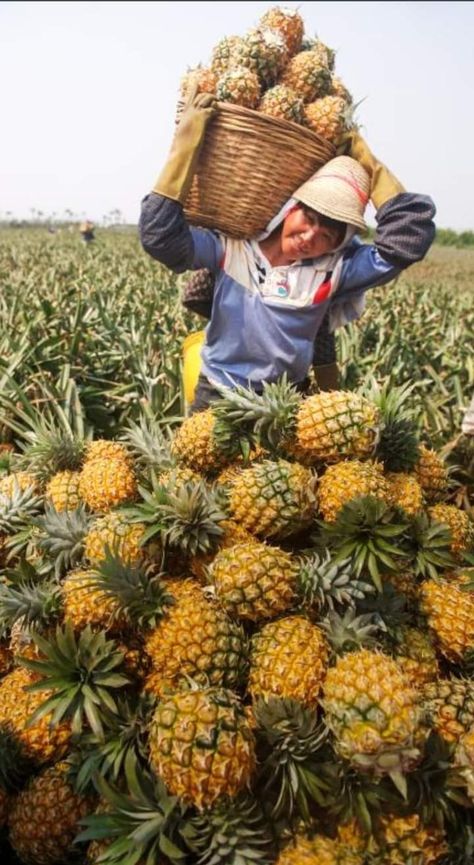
(177,175)
(383,184)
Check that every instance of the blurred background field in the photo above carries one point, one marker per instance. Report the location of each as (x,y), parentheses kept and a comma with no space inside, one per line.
(98,329)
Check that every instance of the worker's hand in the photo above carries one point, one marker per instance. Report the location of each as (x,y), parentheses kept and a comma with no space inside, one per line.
(383,184)
(176,178)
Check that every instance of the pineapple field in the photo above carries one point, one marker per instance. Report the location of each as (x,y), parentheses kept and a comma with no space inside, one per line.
(244,635)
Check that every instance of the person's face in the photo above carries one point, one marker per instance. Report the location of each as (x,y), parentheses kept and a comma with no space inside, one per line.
(303,237)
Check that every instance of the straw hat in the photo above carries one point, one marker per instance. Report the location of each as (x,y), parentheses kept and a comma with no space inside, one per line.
(340,190)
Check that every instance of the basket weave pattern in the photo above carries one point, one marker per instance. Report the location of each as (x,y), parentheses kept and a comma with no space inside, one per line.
(249,165)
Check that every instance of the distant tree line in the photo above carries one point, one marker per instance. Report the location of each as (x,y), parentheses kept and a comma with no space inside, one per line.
(448,237)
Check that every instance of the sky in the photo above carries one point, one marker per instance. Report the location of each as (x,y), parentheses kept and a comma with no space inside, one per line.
(89,91)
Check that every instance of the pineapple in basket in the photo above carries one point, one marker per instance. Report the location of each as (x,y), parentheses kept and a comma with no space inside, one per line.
(329,117)
(224,54)
(288,23)
(264,52)
(282,102)
(307,76)
(239,86)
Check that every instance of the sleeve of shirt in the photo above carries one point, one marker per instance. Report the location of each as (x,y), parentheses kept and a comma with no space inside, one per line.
(404,234)
(166,236)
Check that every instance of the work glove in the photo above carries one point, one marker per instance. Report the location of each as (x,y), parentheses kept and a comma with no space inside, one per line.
(176,178)
(383,184)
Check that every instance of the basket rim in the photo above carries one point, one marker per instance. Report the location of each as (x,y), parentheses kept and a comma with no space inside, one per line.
(274,122)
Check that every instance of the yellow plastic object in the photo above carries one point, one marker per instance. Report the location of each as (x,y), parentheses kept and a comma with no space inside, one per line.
(191,363)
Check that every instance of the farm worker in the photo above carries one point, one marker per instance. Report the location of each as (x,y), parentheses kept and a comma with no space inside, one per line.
(273,292)
(87,231)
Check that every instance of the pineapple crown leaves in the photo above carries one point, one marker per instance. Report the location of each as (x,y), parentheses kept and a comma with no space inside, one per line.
(363,531)
(49,451)
(83,674)
(233,832)
(348,632)
(18,509)
(324,583)
(268,417)
(141,824)
(353,795)
(187,518)
(30,603)
(390,608)
(290,745)
(427,547)
(434,790)
(126,734)
(63,536)
(138,591)
(150,444)
(398,442)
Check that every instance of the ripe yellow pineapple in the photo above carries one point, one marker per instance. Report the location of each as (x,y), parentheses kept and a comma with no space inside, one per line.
(84,605)
(338,88)
(416,656)
(405,492)
(195,445)
(63,491)
(432,474)
(264,52)
(17,480)
(223,54)
(307,76)
(318,850)
(449,704)
(406,839)
(107,482)
(336,424)
(373,711)
(234,533)
(44,818)
(288,22)
(273,498)
(239,86)
(102,449)
(206,80)
(114,531)
(459,524)
(253,581)
(347,480)
(288,659)
(328,116)
(201,745)
(39,741)
(450,613)
(194,638)
(281,101)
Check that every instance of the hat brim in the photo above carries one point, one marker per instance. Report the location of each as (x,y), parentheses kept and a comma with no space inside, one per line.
(332,212)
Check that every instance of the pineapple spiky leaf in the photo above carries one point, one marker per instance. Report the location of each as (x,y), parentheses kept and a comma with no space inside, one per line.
(63,536)
(427,547)
(83,673)
(324,584)
(31,603)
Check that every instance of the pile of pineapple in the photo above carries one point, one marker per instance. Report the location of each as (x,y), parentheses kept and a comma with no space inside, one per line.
(275,69)
(248,638)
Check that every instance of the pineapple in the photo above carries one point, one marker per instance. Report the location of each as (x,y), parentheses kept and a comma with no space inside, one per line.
(449,704)
(206,80)
(281,101)
(195,443)
(264,52)
(18,481)
(405,492)
(113,531)
(338,88)
(319,850)
(107,482)
(450,613)
(459,524)
(253,581)
(288,659)
(103,449)
(240,86)
(196,639)
(464,759)
(373,711)
(326,55)
(44,818)
(62,491)
(432,474)
(84,604)
(39,742)
(273,498)
(416,656)
(233,533)
(405,839)
(328,116)
(201,745)
(288,22)
(224,53)
(307,76)
(345,481)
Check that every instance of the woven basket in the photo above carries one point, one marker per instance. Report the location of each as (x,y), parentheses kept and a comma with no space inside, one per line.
(249,165)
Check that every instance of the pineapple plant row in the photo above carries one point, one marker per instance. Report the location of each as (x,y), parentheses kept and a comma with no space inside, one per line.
(277,70)
(250,640)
